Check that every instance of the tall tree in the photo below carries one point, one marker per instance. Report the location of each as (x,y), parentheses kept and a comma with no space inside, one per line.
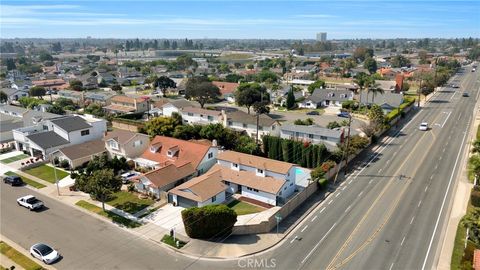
(164,82)
(37,91)
(3,97)
(315,85)
(102,184)
(290,99)
(370,64)
(201,90)
(247,94)
(375,89)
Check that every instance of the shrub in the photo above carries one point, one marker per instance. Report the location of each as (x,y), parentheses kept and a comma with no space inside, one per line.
(131,187)
(209,221)
(475,197)
(64,164)
(332,125)
(131,164)
(56,161)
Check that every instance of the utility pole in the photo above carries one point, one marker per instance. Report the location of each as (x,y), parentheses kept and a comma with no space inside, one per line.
(345,152)
(56,179)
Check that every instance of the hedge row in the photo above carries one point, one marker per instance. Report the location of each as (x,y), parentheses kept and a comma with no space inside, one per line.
(209,221)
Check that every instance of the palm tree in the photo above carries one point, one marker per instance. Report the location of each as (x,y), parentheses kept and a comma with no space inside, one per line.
(374,89)
(472,221)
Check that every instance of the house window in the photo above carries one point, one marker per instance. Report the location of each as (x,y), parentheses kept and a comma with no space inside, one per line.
(234,165)
(310,136)
(323,137)
(137,143)
(260,171)
(113,145)
(210,118)
(260,128)
(227,183)
(230,123)
(190,114)
(85,132)
(210,155)
(214,198)
(245,125)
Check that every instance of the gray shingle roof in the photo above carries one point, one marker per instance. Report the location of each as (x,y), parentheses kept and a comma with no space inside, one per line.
(251,119)
(47,139)
(320,95)
(313,129)
(71,123)
(385,100)
(15,109)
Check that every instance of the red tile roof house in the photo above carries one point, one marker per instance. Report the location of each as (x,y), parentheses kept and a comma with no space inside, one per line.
(227,89)
(476,259)
(126,104)
(173,162)
(261,179)
(55,84)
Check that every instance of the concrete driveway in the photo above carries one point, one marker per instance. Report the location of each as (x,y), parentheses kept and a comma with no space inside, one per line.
(168,217)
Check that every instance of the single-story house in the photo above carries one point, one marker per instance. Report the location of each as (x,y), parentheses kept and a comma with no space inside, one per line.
(388,100)
(78,154)
(326,98)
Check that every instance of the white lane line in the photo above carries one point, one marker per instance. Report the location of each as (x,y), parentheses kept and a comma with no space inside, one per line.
(322,210)
(453,95)
(338,194)
(391,266)
(436,166)
(426,188)
(360,194)
(431,177)
(348,208)
(315,217)
(330,202)
(319,242)
(403,240)
(388,161)
(419,203)
(440,158)
(369,182)
(395,153)
(344,187)
(350,181)
(295,238)
(379,171)
(304,228)
(446,119)
(445,197)
(443,151)
(411,221)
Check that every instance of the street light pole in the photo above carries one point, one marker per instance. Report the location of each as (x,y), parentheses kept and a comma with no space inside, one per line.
(56,179)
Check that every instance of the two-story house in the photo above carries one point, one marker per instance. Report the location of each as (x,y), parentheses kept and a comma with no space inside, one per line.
(314,134)
(173,161)
(126,104)
(242,121)
(257,178)
(124,143)
(195,115)
(51,134)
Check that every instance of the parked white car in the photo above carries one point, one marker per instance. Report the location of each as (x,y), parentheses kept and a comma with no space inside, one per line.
(126,177)
(423,126)
(44,253)
(30,202)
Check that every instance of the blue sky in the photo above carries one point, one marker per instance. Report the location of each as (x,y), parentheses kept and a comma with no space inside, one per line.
(239,19)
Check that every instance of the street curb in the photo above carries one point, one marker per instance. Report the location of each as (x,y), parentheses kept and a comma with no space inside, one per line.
(22,250)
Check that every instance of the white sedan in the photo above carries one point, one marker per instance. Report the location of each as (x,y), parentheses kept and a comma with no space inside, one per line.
(44,253)
(423,126)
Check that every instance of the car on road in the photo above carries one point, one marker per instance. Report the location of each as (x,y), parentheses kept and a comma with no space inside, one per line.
(44,253)
(13,180)
(465,94)
(126,177)
(423,126)
(30,202)
(343,114)
(313,113)
(473,69)
(454,85)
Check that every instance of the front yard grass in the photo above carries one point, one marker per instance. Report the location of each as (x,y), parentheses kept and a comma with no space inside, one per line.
(46,173)
(18,257)
(167,239)
(128,202)
(243,208)
(110,215)
(29,181)
(14,158)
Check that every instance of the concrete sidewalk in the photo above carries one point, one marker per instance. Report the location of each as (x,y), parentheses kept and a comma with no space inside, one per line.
(4,261)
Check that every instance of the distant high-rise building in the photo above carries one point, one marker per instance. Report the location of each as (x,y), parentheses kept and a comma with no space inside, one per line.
(322,36)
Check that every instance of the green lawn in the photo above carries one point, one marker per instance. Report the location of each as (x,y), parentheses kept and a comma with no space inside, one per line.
(18,257)
(129,202)
(167,239)
(14,158)
(29,181)
(46,173)
(110,215)
(243,208)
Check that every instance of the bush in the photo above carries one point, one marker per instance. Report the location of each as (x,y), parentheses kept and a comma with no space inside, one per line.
(332,125)
(209,221)
(56,161)
(131,187)
(475,197)
(65,164)
(131,164)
